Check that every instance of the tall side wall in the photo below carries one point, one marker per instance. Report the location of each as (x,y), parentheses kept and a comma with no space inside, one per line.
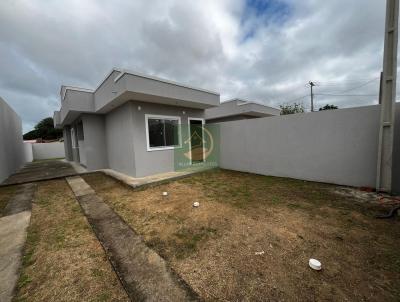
(11,144)
(68,143)
(335,146)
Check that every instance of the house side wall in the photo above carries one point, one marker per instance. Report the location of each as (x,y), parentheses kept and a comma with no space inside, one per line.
(396,154)
(11,147)
(153,162)
(67,143)
(95,149)
(120,138)
(336,146)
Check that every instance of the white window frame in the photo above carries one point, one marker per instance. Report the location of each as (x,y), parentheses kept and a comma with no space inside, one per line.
(190,143)
(162,117)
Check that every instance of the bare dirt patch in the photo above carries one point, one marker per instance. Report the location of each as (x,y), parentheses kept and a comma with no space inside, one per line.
(63,261)
(252,236)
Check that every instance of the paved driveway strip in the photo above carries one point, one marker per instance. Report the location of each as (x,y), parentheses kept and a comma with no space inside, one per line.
(144,274)
(13,232)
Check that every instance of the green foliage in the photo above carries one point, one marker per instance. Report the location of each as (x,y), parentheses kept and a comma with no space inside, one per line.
(45,130)
(291,109)
(328,107)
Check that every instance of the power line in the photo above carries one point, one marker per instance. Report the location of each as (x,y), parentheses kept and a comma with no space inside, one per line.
(356,87)
(329,94)
(298,98)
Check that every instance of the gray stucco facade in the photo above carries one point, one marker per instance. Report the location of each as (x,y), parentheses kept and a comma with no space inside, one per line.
(106,127)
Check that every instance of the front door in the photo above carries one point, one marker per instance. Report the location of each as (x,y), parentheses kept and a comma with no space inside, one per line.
(196,140)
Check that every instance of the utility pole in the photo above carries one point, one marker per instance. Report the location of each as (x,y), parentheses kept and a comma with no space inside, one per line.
(312,95)
(388,99)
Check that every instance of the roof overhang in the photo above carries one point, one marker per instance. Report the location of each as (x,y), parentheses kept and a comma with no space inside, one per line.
(123,86)
(133,86)
(238,107)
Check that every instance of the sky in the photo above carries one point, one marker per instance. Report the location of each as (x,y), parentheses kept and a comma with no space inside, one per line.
(259,50)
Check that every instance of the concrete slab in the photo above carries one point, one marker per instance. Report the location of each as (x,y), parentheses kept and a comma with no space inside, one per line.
(144,274)
(12,239)
(79,187)
(21,201)
(13,232)
(135,182)
(41,170)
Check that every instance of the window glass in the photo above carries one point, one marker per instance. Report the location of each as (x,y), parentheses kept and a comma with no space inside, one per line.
(156,133)
(171,133)
(163,132)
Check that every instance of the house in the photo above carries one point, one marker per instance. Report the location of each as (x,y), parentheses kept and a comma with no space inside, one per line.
(133,123)
(238,109)
(130,123)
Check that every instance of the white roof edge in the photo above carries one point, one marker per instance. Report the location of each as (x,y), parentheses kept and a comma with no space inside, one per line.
(124,72)
(75,89)
(108,75)
(246,102)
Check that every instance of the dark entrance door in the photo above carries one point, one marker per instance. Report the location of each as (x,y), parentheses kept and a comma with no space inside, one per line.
(196,141)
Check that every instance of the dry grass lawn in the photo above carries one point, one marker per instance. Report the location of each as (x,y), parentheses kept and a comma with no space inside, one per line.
(252,236)
(63,260)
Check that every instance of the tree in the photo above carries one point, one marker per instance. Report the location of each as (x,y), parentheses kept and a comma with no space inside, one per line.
(291,109)
(45,130)
(328,107)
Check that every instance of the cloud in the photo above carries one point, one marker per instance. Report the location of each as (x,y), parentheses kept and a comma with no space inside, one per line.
(259,50)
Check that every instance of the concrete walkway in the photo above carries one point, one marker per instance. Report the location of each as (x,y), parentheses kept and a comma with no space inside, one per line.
(41,170)
(13,232)
(144,274)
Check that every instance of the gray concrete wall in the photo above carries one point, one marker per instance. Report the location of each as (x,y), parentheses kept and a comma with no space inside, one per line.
(120,138)
(396,153)
(94,148)
(28,152)
(153,162)
(67,143)
(334,146)
(48,150)
(11,144)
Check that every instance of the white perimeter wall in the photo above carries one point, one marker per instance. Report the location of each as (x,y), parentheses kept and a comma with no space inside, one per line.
(334,146)
(48,150)
(11,144)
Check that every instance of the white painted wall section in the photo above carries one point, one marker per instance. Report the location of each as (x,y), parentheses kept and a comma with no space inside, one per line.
(48,150)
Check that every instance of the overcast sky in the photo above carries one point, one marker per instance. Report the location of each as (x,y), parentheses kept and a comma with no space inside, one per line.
(264,51)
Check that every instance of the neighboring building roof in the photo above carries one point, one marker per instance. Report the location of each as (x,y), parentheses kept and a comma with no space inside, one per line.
(240,107)
(121,86)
